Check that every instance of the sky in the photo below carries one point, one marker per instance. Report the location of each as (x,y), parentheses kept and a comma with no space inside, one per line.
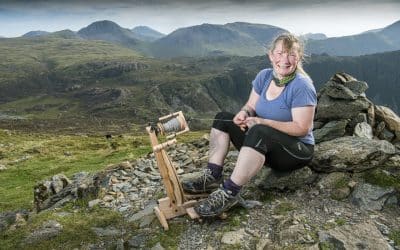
(333,18)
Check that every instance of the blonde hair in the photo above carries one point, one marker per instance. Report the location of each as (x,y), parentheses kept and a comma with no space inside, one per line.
(288,42)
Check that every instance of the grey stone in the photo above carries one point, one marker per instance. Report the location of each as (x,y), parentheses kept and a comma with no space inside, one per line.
(361,117)
(106,232)
(148,210)
(49,229)
(331,130)
(371,197)
(363,130)
(386,135)
(357,87)
(146,220)
(351,154)
(138,240)
(93,203)
(157,247)
(292,234)
(336,109)
(359,236)
(330,180)
(270,179)
(233,237)
(338,91)
(393,161)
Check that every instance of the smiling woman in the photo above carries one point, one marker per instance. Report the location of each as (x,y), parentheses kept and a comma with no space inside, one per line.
(274,128)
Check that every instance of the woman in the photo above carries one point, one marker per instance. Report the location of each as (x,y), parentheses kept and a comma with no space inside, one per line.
(274,128)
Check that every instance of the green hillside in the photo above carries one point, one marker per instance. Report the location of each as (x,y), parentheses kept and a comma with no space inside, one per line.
(54,82)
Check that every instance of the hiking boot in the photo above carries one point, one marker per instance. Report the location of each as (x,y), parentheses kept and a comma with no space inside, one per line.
(202,182)
(216,203)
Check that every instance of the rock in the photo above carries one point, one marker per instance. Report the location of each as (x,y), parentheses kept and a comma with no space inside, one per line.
(351,154)
(386,135)
(146,220)
(332,180)
(393,161)
(7,219)
(157,247)
(270,179)
(340,193)
(49,229)
(388,116)
(49,195)
(337,109)
(360,118)
(233,237)
(339,91)
(359,236)
(148,210)
(138,241)
(331,130)
(292,234)
(363,130)
(372,197)
(58,182)
(106,232)
(93,203)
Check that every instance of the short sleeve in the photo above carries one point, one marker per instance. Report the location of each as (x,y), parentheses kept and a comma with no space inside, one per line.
(304,95)
(259,82)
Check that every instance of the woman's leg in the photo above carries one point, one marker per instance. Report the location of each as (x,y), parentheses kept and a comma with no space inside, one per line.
(248,164)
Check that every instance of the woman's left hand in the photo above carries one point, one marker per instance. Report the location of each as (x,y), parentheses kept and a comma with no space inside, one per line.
(251,121)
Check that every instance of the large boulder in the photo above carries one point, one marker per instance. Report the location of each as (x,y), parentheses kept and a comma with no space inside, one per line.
(336,109)
(372,197)
(293,180)
(351,154)
(359,236)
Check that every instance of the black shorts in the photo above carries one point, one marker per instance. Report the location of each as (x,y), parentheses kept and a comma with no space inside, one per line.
(282,152)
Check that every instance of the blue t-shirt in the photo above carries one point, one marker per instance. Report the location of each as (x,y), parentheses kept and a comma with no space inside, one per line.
(298,93)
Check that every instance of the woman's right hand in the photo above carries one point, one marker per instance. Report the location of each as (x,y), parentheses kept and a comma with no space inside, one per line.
(240,119)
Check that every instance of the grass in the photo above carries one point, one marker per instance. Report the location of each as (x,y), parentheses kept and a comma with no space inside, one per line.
(32,157)
(51,154)
(395,236)
(77,224)
(168,239)
(383,179)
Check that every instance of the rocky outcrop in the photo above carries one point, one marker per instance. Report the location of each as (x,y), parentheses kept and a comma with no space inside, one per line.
(351,154)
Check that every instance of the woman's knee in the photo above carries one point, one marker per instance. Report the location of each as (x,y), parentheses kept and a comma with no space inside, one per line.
(256,138)
(221,121)
(224,115)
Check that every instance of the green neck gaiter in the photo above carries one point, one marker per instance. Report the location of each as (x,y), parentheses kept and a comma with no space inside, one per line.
(285,80)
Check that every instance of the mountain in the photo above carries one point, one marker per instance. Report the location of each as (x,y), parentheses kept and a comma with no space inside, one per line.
(387,39)
(67,34)
(111,32)
(147,34)
(314,36)
(47,77)
(211,39)
(35,33)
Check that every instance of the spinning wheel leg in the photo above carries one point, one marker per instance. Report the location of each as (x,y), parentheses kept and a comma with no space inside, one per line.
(161,218)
